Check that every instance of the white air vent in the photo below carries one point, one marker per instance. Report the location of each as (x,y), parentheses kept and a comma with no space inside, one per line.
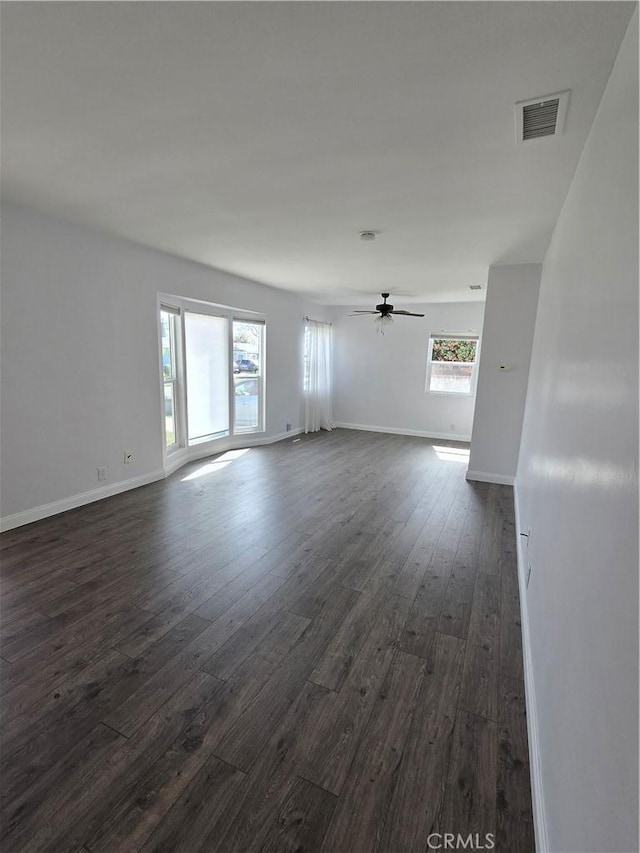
(541,117)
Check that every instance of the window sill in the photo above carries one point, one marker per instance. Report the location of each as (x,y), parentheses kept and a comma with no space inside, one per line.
(464,394)
(208,439)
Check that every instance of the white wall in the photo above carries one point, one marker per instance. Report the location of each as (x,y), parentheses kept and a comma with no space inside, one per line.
(80,375)
(577,490)
(380,380)
(509,320)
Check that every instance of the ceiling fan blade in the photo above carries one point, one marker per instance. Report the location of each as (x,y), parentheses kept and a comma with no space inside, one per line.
(407,313)
(355,313)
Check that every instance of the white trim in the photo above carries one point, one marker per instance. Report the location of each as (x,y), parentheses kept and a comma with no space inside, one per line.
(179,403)
(443,436)
(232,442)
(453,336)
(243,441)
(486,477)
(449,393)
(174,462)
(535,768)
(227,442)
(180,306)
(45,510)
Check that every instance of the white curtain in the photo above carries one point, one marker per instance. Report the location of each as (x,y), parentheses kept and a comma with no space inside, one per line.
(318,382)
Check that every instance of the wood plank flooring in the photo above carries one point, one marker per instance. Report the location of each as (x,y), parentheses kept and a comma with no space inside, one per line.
(312,646)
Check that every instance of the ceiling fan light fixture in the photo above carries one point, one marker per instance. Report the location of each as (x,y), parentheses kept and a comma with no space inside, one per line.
(383,322)
(384,311)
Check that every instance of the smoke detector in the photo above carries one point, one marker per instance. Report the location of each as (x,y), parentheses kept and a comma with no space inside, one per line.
(368,236)
(541,117)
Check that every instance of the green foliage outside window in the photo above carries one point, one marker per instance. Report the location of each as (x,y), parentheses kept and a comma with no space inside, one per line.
(453,350)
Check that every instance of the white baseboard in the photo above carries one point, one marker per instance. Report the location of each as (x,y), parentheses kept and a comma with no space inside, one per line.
(173,463)
(484,477)
(176,460)
(222,445)
(443,436)
(74,501)
(251,442)
(537,794)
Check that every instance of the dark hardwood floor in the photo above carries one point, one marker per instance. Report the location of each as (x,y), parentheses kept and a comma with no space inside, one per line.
(312,646)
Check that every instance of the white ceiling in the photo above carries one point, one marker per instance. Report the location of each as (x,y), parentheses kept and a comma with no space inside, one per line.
(260,138)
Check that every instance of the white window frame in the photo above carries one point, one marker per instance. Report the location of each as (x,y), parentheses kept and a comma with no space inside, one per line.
(456,336)
(175,381)
(202,309)
(179,306)
(236,318)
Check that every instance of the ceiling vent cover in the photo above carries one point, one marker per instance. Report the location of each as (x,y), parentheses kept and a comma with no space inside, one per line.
(541,117)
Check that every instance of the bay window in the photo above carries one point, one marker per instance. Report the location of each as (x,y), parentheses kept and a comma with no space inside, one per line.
(213,376)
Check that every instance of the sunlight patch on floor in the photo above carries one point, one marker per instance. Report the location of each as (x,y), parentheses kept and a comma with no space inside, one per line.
(216,464)
(452,454)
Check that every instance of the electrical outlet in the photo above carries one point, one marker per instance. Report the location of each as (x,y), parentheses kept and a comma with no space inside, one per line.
(528,574)
(128,457)
(288,427)
(102,473)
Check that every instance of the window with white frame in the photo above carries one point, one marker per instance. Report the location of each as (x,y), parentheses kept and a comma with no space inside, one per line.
(248,375)
(206,341)
(452,363)
(212,373)
(169,331)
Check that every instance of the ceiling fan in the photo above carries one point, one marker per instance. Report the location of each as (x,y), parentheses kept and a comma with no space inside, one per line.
(385,311)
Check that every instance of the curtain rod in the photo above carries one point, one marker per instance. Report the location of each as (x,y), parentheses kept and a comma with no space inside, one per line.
(311,320)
